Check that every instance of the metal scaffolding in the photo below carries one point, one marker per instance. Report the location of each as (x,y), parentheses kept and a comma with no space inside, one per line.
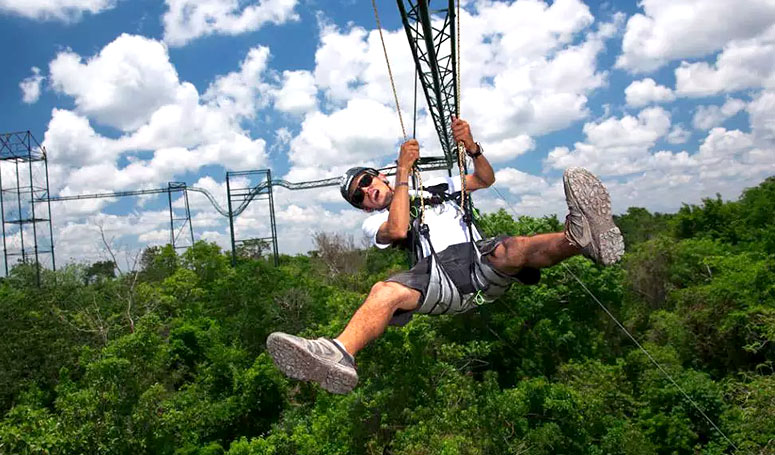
(179,222)
(434,50)
(240,197)
(25,210)
(432,39)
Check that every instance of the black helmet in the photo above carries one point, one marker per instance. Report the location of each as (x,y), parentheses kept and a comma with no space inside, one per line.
(347,180)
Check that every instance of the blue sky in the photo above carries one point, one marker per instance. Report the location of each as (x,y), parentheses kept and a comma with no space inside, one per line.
(667,101)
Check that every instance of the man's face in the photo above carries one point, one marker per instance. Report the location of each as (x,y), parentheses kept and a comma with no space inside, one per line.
(376,195)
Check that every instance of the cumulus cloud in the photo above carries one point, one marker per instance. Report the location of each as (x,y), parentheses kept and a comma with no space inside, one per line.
(678,135)
(241,93)
(61,10)
(186,20)
(646,91)
(639,174)
(131,85)
(30,86)
(741,65)
(298,93)
(762,117)
(509,148)
(615,146)
(121,86)
(707,117)
(680,29)
(519,183)
(528,68)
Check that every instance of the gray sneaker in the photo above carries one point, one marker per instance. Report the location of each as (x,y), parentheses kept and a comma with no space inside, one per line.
(321,361)
(589,224)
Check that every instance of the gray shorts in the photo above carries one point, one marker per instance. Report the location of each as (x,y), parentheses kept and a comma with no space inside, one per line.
(458,261)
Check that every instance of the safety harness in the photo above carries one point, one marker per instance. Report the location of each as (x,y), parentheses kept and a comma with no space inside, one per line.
(442,296)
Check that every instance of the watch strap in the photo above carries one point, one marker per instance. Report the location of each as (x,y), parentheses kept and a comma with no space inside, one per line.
(478,151)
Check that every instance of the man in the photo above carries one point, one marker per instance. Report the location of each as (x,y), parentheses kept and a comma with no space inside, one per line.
(491,270)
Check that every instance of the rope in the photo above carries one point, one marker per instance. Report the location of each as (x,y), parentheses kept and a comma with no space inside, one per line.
(415,169)
(644,350)
(461,148)
(390,72)
(653,360)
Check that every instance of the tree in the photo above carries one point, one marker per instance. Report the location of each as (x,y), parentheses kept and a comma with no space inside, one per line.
(100,270)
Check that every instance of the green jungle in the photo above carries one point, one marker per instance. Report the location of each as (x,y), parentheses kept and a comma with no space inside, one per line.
(170,358)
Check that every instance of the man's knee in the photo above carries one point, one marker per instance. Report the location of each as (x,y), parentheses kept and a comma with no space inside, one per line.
(395,294)
(508,255)
(513,245)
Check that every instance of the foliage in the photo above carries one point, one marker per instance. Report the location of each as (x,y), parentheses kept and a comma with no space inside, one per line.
(171,359)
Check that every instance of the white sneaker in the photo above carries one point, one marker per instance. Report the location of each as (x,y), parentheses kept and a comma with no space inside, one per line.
(589,224)
(321,361)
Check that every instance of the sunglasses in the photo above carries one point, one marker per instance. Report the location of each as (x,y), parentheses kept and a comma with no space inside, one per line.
(358,195)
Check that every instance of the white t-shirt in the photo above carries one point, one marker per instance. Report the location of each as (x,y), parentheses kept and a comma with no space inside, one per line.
(445,221)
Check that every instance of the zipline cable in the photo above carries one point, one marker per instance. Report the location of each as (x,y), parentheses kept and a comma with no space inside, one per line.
(643,349)
(653,360)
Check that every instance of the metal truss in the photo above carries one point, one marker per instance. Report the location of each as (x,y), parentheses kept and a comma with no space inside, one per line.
(243,196)
(179,223)
(431,35)
(21,213)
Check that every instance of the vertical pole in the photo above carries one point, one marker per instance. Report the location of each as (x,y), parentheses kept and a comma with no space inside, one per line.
(19,201)
(188,215)
(2,217)
(172,225)
(231,222)
(271,217)
(50,219)
(32,208)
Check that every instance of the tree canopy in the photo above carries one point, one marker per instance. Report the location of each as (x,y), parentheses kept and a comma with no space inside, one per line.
(170,359)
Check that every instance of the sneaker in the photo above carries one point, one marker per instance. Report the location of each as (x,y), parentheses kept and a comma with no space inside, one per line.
(321,361)
(589,224)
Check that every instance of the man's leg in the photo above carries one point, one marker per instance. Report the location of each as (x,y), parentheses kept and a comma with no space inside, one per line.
(371,319)
(589,230)
(332,364)
(537,252)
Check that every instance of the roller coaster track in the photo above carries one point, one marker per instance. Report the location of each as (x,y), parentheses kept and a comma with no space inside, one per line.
(425,163)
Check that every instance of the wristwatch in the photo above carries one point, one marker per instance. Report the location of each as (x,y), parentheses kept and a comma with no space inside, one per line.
(478,151)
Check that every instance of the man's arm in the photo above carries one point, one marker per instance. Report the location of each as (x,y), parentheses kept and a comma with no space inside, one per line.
(483,175)
(397,225)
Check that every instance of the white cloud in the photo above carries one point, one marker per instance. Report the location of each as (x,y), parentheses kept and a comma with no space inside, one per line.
(679,29)
(298,94)
(519,182)
(762,117)
(741,65)
(121,86)
(646,91)
(241,93)
(527,68)
(726,162)
(131,84)
(678,135)
(62,10)
(362,131)
(186,20)
(707,117)
(30,86)
(509,148)
(615,146)
(71,140)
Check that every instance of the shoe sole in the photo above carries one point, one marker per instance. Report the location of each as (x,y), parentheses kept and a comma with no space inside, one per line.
(295,361)
(592,198)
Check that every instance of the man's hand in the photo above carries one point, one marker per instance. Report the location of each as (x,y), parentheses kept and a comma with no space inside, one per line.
(462,132)
(410,151)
